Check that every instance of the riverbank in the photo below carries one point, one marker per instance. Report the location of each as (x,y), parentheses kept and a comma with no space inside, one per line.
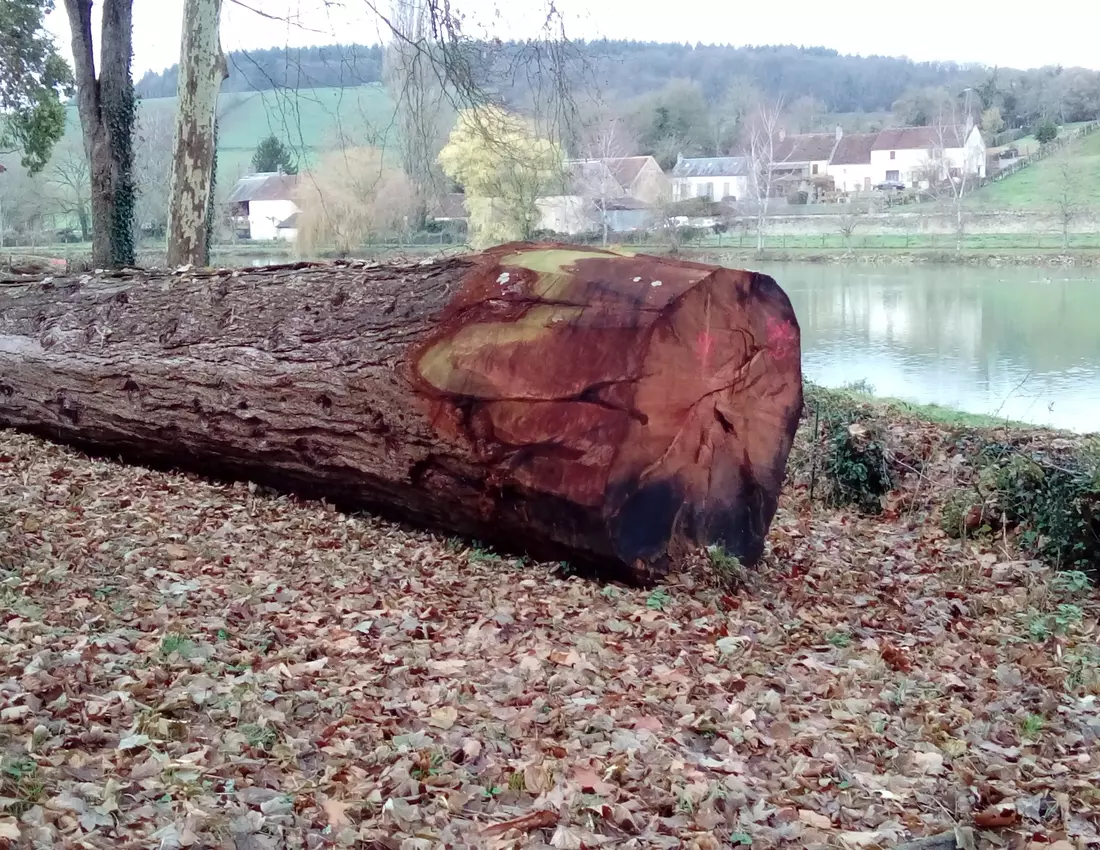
(77,258)
(189,663)
(990,259)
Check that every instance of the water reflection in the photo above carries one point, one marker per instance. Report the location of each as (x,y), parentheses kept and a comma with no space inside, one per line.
(1020,343)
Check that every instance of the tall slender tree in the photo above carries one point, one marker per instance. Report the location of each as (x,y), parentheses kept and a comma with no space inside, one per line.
(202,69)
(107,108)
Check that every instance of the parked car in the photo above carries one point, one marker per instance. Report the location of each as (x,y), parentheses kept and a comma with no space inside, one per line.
(1009,153)
(890,184)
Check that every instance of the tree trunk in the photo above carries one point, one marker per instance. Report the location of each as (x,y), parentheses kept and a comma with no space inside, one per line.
(202,69)
(106,107)
(609,410)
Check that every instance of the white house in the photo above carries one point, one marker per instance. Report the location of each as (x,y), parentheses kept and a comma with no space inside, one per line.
(288,230)
(713,177)
(260,203)
(908,154)
(804,155)
(640,177)
(574,210)
(850,166)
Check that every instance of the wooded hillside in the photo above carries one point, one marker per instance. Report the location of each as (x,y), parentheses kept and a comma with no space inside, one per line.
(623,68)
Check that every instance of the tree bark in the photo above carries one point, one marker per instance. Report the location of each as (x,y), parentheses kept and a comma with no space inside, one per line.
(611,410)
(106,108)
(202,69)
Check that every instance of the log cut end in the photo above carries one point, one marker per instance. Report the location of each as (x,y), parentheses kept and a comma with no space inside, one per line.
(655,400)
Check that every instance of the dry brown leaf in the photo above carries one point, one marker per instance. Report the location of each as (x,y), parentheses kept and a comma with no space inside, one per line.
(812,818)
(566,839)
(589,780)
(444,717)
(997,817)
(335,811)
(539,819)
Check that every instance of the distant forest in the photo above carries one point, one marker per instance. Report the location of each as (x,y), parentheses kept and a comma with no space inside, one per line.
(621,69)
(675,98)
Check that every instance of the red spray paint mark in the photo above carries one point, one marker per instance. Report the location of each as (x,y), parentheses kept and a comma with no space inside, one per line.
(703,344)
(781,338)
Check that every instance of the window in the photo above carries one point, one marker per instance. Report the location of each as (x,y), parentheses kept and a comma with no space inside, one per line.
(815,168)
(706,190)
(677,187)
(726,189)
(893,175)
(892,154)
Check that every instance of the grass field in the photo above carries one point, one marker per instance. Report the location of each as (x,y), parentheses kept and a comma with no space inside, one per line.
(306,121)
(1040,186)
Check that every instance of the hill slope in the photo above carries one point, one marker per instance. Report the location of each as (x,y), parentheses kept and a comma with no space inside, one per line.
(1041,186)
(306,120)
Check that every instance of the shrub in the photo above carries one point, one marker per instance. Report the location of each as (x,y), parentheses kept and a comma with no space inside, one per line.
(1056,500)
(856,468)
(1045,131)
(848,447)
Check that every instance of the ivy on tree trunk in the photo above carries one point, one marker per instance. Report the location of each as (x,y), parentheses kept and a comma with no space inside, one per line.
(107,109)
(202,69)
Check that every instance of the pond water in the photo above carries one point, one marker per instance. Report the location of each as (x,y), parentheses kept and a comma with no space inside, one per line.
(1018,343)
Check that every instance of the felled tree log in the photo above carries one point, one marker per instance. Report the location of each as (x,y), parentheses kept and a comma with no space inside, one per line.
(578,404)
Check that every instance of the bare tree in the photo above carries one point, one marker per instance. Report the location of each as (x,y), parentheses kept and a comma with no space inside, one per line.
(1066,201)
(421,108)
(738,105)
(606,137)
(23,205)
(202,69)
(153,168)
(850,219)
(105,102)
(952,178)
(763,159)
(71,185)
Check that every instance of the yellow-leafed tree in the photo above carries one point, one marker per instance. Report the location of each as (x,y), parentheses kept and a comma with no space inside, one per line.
(504,168)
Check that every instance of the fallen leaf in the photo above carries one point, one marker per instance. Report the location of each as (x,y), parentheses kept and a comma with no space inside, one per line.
(445,717)
(812,818)
(132,742)
(896,658)
(931,763)
(335,811)
(648,723)
(566,839)
(587,779)
(540,819)
(862,839)
(996,817)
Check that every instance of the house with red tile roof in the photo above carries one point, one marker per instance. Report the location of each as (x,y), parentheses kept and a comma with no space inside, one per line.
(907,155)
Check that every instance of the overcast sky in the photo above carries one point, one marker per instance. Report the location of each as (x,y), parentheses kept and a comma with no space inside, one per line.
(1055,32)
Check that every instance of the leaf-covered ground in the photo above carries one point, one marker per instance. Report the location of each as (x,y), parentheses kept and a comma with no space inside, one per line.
(184,664)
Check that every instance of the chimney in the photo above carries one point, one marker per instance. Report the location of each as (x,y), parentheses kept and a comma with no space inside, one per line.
(679,157)
(782,134)
(839,132)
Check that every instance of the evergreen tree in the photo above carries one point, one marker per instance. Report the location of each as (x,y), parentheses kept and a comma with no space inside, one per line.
(272,155)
